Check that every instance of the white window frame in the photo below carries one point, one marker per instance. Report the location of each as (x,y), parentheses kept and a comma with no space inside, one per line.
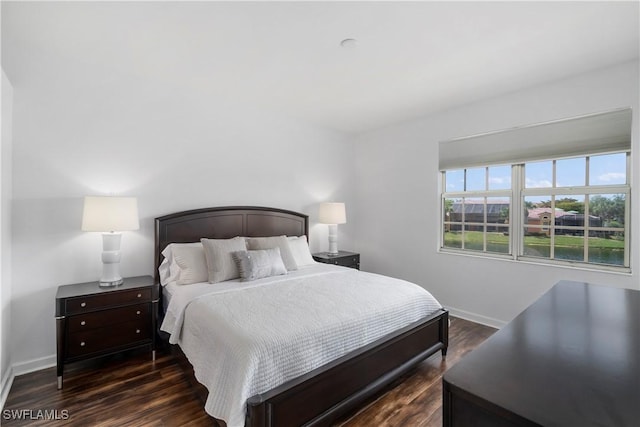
(476,194)
(517,223)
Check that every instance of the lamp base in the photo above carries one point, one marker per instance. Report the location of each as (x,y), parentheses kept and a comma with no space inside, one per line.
(111,284)
(110,260)
(333,239)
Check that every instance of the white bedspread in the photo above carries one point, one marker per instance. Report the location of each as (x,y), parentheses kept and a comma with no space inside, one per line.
(245,338)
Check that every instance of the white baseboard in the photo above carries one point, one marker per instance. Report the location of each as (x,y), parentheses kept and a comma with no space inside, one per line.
(22,368)
(473,317)
(34,365)
(5,386)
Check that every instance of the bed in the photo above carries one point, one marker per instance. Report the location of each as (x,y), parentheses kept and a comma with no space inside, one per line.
(323,385)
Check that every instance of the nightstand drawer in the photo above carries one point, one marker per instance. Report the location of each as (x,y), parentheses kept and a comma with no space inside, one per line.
(100,319)
(112,299)
(351,261)
(97,340)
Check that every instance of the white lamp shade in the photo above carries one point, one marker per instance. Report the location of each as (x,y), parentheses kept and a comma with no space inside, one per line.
(332,213)
(105,213)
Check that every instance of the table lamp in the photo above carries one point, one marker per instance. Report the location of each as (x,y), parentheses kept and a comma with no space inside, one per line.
(110,215)
(332,214)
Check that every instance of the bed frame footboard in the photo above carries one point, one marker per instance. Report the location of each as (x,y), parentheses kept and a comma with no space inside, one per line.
(329,392)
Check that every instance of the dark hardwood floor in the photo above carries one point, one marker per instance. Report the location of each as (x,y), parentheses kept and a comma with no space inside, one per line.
(133,391)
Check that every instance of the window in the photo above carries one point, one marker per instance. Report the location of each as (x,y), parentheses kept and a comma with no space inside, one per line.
(476,209)
(568,209)
(567,219)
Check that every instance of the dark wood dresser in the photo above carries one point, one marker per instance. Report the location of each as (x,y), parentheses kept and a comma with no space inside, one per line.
(92,321)
(571,359)
(344,258)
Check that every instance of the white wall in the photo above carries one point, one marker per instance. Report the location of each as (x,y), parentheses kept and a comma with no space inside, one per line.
(5,237)
(177,151)
(174,151)
(397,196)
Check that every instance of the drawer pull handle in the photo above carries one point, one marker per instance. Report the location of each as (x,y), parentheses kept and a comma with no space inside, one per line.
(137,331)
(82,344)
(83,323)
(139,295)
(138,312)
(84,304)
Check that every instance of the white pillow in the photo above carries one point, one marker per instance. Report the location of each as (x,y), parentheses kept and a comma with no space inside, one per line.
(300,250)
(165,272)
(255,243)
(258,264)
(169,270)
(191,263)
(220,264)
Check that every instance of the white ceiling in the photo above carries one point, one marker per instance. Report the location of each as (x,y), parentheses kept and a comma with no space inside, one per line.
(411,58)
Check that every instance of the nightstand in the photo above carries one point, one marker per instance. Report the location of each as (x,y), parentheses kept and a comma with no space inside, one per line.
(92,321)
(344,258)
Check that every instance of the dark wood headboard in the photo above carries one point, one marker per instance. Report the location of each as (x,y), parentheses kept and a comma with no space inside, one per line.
(225,223)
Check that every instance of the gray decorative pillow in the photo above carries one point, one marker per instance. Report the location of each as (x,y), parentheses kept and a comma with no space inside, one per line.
(254,265)
(220,264)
